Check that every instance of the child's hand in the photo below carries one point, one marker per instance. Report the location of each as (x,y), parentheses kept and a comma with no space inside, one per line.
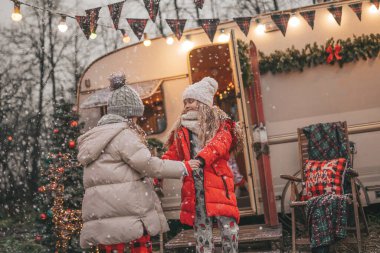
(194,164)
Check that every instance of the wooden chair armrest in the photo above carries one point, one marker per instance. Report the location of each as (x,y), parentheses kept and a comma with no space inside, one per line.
(291,178)
(297,203)
(352,173)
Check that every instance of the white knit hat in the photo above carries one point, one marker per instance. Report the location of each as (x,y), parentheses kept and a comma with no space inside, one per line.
(203,91)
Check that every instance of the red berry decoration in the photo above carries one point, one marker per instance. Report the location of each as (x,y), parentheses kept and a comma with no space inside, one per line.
(74,123)
(41,189)
(43,216)
(10,138)
(72,144)
(61,170)
(38,238)
(56,130)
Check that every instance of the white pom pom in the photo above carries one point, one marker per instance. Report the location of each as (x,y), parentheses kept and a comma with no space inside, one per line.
(117,80)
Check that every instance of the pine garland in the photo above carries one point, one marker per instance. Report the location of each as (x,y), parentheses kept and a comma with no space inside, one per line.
(353,49)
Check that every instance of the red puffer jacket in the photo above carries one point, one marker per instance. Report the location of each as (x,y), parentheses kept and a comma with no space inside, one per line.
(218,178)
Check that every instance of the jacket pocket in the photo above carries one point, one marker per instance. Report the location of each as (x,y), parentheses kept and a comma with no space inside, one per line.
(225,187)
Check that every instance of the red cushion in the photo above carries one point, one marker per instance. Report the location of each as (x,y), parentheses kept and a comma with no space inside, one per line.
(323,177)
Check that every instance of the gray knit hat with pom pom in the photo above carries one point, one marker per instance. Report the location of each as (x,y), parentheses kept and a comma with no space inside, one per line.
(124,101)
(203,91)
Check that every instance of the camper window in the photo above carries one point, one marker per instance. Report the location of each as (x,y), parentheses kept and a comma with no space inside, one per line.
(154,119)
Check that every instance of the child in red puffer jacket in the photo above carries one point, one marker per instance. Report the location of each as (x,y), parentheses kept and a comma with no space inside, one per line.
(205,133)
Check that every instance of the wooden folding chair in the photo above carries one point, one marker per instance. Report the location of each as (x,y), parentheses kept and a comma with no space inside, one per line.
(297,187)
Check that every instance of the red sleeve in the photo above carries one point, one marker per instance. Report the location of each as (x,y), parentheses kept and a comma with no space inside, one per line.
(172,152)
(218,146)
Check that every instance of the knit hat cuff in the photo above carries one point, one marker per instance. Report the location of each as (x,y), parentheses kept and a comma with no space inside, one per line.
(197,96)
(126,111)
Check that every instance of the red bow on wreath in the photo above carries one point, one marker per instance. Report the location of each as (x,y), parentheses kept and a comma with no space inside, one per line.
(333,53)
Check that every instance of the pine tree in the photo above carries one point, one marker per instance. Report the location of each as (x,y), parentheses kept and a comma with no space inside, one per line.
(61,189)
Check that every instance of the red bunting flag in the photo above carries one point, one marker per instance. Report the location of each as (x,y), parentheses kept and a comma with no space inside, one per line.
(309,16)
(152,8)
(115,11)
(244,23)
(138,26)
(357,8)
(177,26)
(336,12)
(376,3)
(89,23)
(199,3)
(209,26)
(281,20)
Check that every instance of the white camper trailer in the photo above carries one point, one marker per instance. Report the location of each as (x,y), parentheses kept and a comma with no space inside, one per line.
(291,100)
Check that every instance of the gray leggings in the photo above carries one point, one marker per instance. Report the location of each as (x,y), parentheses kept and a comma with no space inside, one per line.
(203,224)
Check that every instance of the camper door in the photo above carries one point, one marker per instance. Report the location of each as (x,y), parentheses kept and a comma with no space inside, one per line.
(221,62)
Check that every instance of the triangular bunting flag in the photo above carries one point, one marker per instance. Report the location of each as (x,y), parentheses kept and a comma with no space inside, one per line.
(336,12)
(84,24)
(115,11)
(281,20)
(138,26)
(177,26)
(357,8)
(309,16)
(152,8)
(199,3)
(244,24)
(376,3)
(93,16)
(209,26)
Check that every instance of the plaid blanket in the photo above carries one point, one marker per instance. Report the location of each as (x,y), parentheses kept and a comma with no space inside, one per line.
(327,217)
(326,141)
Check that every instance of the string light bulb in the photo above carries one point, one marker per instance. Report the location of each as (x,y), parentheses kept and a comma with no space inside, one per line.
(260,28)
(373,9)
(223,36)
(93,35)
(126,38)
(187,45)
(169,40)
(294,21)
(16,14)
(62,26)
(147,41)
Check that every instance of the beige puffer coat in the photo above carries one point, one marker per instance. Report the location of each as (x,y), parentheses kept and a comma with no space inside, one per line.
(119,198)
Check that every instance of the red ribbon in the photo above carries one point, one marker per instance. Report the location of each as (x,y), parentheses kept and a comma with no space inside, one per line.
(333,53)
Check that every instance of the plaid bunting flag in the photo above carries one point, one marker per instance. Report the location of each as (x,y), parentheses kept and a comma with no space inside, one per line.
(376,3)
(152,8)
(177,26)
(244,24)
(309,16)
(84,24)
(357,8)
(138,26)
(281,20)
(209,26)
(199,3)
(93,16)
(336,12)
(115,11)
